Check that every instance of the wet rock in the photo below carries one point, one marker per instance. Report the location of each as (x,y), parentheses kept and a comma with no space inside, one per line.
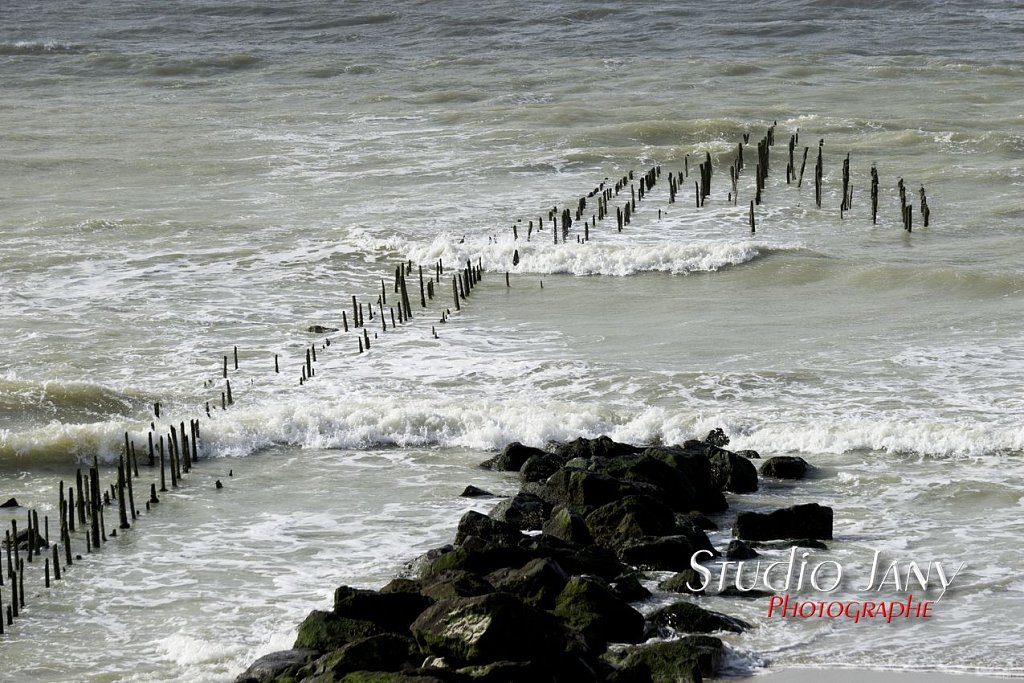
(685,581)
(574,559)
(391,611)
(582,491)
(540,467)
(695,465)
(717,438)
(511,458)
(325,631)
(568,526)
(699,520)
(688,660)
(526,511)
(628,588)
(588,448)
(489,628)
(402,585)
(321,329)
(629,519)
(479,560)
(10,503)
(752,594)
(385,652)
(670,485)
(785,467)
(589,607)
(749,454)
(659,553)
(731,472)
(538,582)
(686,617)
(474,492)
(486,528)
(456,583)
(785,545)
(738,550)
(276,666)
(799,521)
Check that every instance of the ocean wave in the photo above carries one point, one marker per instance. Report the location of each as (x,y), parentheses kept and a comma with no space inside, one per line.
(37,47)
(593,258)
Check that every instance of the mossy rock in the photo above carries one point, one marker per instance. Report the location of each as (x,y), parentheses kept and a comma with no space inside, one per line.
(568,526)
(392,611)
(688,660)
(326,631)
(628,519)
(686,617)
(376,653)
(677,583)
(587,606)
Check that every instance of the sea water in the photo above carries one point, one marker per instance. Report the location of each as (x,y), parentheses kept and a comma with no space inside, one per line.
(183,180)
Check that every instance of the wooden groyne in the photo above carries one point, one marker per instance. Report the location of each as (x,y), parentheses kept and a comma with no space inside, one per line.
(174,448)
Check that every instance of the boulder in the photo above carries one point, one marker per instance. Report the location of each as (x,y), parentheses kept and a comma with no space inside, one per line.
(588,448)
(628,519)
(526,511)
(659,553)
(276,665)
(696,467)
(628,587)
(401,585)
(511,458)
(799,521)
(540,467)
(682,581)
(489,628)
(700,520)
(568,526)
(574,559)
(686,617)
(717,438)
(688,660)
(785,467)
(738,550)
(385,652)
(749,454)
(538,582)
(481,559)
(475,492)
(325,631)
(321,329)
(582,491)
(391,611)
(589,607)
(10,503)
(731,472)
(475,524)
(670,485)
(455,583)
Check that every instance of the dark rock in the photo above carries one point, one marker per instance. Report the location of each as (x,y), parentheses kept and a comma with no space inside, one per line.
(800,521)
(582,491)
(325,631)
(688,660)
(686,617)
(672,486)
(507,672)
(385,652)
(524,511)
(320,329)
(456,583)
(480,560)
(13,503)
(474,492)
(629,519)
(785,467)
(717,438)
(682,581)
(489,628)
(540,467)
(738,550)
(391,611)
(402,586)
(588,448)
(22,540)
(276,665)
(628,587)
(511,458)
(483,527)
(749,454)
(734,592)
(696,467)
(701,521)
(664,553)
(587,606)
(568,526)
(731,472)
(574,559)
(538,582)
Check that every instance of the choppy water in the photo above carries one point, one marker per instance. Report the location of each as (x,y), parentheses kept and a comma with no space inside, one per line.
(177,182)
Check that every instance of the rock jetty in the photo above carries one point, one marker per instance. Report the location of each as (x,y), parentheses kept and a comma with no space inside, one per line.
(540,589)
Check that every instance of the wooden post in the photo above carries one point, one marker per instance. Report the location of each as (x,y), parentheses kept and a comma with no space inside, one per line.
(225,372)
(94,482)
(122,509)
(366,339)
(423,291)
(236,358)
(455,292)
(56,563)
(802,165)
(227,384)
(163,476)
(81,497)
(152,494)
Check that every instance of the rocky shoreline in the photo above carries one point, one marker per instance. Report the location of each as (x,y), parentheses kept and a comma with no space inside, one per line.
(540,589)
